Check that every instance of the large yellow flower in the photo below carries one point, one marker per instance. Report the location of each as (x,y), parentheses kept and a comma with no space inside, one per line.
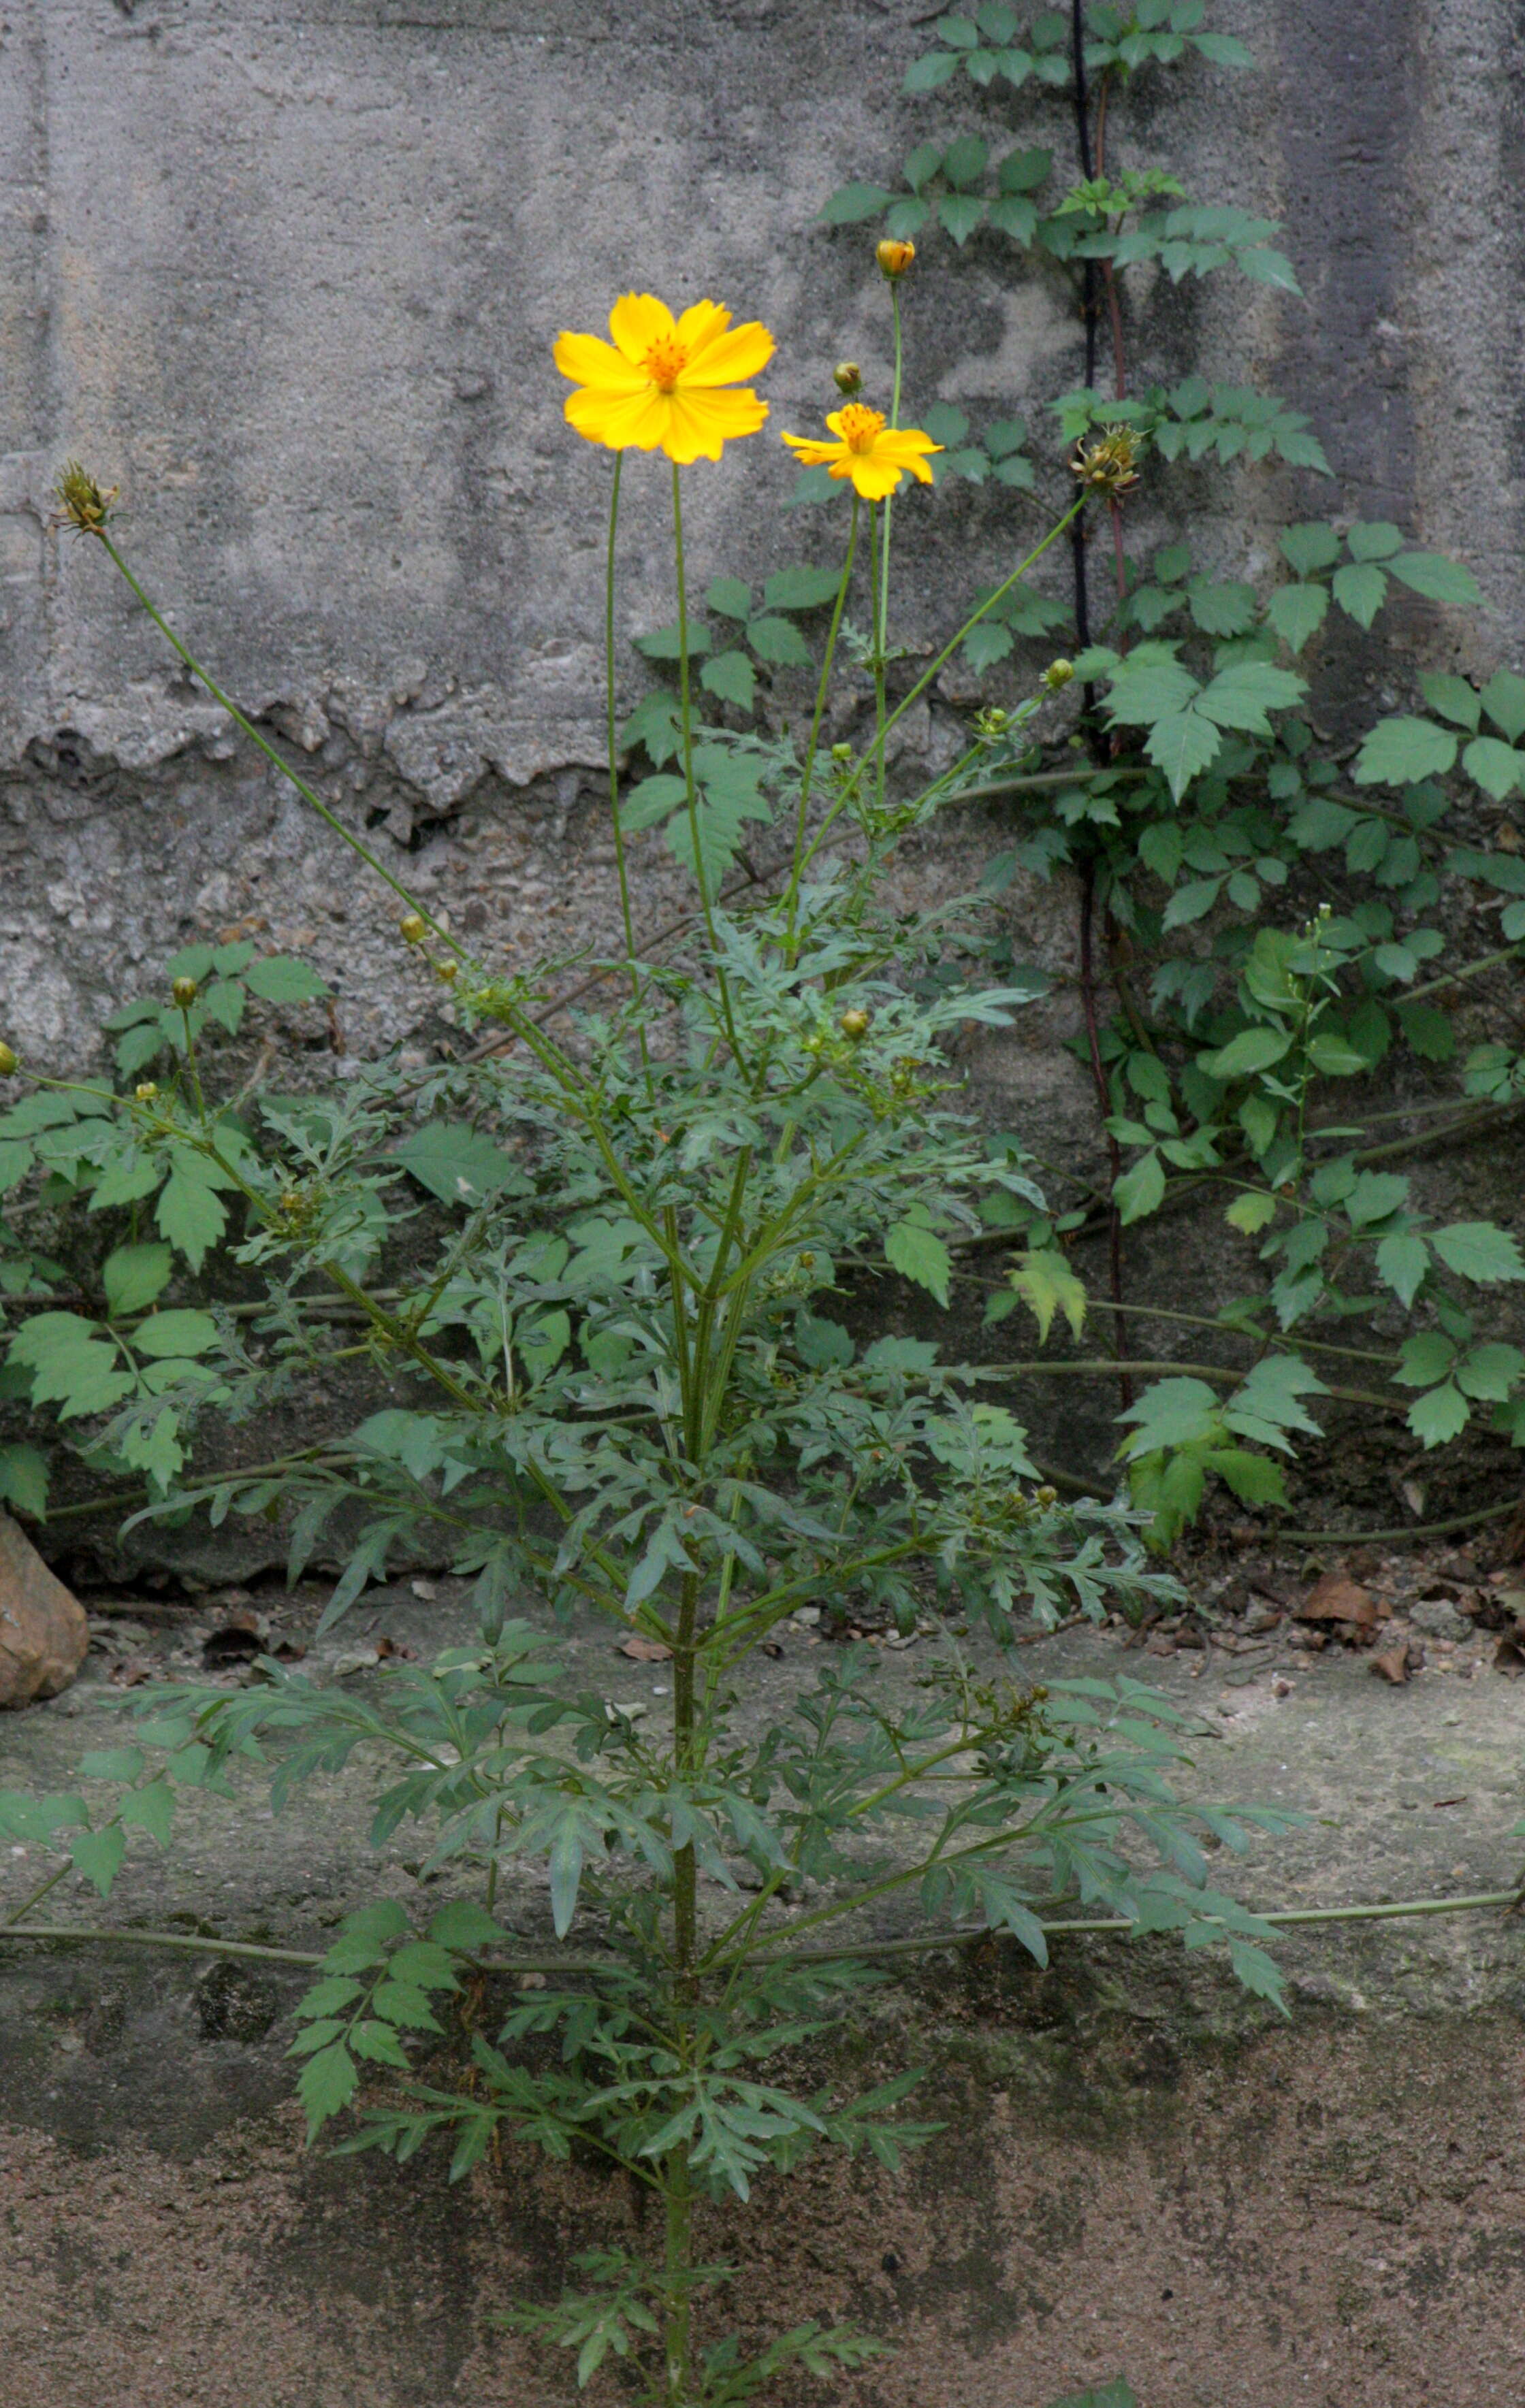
(873,455)
(658,386)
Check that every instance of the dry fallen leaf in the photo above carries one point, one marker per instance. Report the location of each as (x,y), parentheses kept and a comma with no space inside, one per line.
(1394,1665)
(1509,1656)
(1336,1600)
(643,1651)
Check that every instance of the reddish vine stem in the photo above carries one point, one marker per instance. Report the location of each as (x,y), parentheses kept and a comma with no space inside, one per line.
(1093,1040)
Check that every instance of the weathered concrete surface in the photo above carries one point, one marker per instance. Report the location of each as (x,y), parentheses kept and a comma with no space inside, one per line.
(1142,2169)
(289,270)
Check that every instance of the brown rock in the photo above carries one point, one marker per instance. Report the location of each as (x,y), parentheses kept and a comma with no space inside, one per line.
(43,1630)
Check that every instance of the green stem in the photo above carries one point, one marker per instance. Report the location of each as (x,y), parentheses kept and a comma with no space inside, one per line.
(270,752)
(944,656)
(809,771)
(881,614)
(687,706)
(877,555)
(193,1944)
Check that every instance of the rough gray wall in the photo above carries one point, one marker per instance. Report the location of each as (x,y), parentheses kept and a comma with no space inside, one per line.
(289,270)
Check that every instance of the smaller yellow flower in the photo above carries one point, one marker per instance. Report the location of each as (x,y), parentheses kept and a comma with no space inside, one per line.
(873,455)
(665,383)
(895,257)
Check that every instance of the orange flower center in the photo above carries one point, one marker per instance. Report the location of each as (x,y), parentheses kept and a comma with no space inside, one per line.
(860,426)
(665,362)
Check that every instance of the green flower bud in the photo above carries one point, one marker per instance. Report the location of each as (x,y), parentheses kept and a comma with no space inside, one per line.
(184,992)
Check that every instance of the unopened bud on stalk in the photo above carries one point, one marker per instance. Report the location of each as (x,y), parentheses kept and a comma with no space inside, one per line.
(854,1023)
(1057,674)
(184,993)
(842,753)
(414,928)
(448,971)
(848,378)
(80,501)
(146,1093)
(8,1063)
(893,257)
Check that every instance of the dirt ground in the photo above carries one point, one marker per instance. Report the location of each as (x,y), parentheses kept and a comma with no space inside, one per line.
(1142,2171)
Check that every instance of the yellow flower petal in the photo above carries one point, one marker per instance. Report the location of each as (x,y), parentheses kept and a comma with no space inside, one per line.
(702,420)
(636,320)
(625,420)
(724,358)
(699,324)
(811,452)
(876,479)
(589,361)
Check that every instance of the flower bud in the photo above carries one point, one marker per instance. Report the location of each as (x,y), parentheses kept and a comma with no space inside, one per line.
(848,378)
(1056,674)
(841,752)
(184,992)
(447,971)
(895,257)
(146,1093)
(81,504)
(854,1023)
(8,1063)
(412,928)
(1109,463)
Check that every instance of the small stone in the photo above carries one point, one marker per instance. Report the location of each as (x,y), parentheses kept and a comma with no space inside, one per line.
(43,1630)
(1438,1618)
(1260,1617)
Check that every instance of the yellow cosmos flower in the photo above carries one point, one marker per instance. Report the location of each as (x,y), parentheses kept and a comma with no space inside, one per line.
(660,385)
(873,455)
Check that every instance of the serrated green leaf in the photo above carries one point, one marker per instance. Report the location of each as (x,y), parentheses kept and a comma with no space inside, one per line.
(729,598)
(1309,547)
(1360,589)
(1402,1263)
(1252,1050)
(459,1164)
(1504,700)
(1498,768)
(184,1332)
(1373,539)
(153,1808)
(1182,744)
(1250,1213)
(1477,1249)
(1437,579)
(278,979)
(133,1276)
(778,640)
(98,1856)
(329,2080)
(731,676)
(1046,1284)
(23,1479)
(800,589)
(1453,697)
(855,204)
(1297,612)
(1141,1190)
(1440,1415)
(190,1212)
(1400,751)
(918,1253)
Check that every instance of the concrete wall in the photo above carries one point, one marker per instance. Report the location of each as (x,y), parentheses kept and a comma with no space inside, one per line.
(289,272)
